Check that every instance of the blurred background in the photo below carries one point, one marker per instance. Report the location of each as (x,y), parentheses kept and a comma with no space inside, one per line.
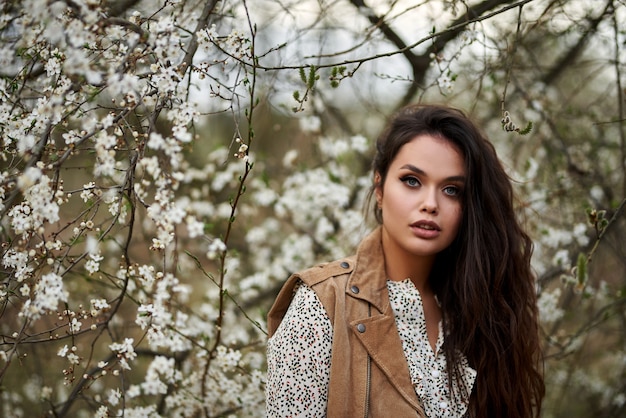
(165,165)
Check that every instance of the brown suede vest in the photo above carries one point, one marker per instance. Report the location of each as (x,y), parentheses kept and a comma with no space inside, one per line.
(369,375)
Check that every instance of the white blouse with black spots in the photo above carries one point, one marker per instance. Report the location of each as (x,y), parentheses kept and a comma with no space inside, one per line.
(298,357)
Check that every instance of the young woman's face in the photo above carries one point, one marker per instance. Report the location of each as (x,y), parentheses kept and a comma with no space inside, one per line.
(421,197)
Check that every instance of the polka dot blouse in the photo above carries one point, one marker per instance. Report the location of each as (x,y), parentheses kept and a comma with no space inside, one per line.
(299,353)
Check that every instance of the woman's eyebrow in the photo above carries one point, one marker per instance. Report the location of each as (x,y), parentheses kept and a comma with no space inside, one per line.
(416,170)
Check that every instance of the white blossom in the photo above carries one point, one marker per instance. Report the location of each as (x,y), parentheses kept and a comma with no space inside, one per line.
(46,392)
(194,227)
(133,391)
(334,148)
(596,193)
(126,351)
(74,326)
(216,248)
(19,262)
(304,190)
(156,141)
(555,238)
(29,178)
(446,84)
(548,304)
(141,412)
(562,258)
(227,358)
(88,191)
(48,292)
(73,358)
(359,144)
(580,232)
(310,124)
(114,396)
(290,157)
(63,351)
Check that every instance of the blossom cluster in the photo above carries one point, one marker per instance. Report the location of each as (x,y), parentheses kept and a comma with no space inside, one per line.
(97,147)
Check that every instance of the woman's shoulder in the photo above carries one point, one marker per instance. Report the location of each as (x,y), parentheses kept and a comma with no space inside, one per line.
(324,271)
(313,278)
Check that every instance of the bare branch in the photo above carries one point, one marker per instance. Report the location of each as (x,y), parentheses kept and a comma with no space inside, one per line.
(203,22)
(565,62)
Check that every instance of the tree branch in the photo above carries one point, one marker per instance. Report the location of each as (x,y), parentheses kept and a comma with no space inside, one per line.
(203,22)
(566,61)
(421,63)
(117,8)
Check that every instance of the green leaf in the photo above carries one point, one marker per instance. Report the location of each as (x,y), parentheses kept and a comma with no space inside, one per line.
(302,75)
(527,129)
(312,77)
(603,224)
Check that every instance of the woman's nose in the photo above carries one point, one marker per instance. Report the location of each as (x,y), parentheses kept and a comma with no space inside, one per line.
(429,204)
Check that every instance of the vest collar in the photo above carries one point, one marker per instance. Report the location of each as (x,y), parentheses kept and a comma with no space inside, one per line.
(368,277)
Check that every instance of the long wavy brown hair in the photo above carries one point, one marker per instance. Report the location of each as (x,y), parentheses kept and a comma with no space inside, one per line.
(483,280)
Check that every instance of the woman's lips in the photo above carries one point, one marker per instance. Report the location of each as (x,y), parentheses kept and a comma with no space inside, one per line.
(426,229)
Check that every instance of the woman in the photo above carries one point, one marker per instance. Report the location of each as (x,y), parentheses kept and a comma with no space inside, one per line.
(435,315)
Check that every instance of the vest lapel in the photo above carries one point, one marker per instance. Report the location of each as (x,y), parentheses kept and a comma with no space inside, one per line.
(380,335)
(382,342)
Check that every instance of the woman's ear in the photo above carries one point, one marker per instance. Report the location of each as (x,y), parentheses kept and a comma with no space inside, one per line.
(378,189)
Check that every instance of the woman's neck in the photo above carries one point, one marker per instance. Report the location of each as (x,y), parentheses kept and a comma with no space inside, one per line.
(400,265)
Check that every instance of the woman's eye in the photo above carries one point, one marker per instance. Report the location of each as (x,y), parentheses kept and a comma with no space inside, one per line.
(451,191)
(410,181)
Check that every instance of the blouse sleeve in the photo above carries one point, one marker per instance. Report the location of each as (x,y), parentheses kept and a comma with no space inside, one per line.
(298,359)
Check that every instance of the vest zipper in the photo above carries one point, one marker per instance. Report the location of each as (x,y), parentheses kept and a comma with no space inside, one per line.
(369,372)
(367,399)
